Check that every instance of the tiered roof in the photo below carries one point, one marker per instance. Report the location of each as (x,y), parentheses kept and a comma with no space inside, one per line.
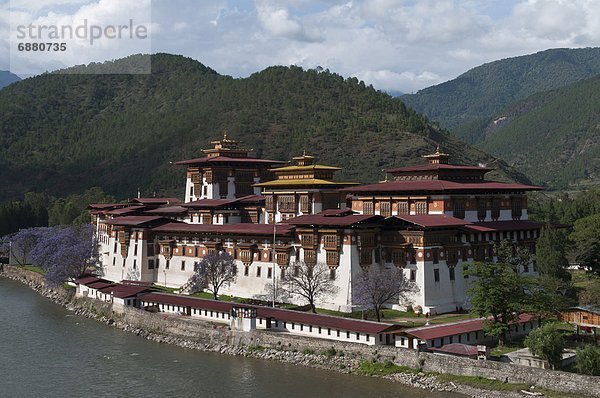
(305,174)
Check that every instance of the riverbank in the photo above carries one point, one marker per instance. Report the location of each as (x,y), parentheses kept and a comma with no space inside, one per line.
(206,336)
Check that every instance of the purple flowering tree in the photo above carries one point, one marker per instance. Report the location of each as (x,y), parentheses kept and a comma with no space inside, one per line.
(22,243)
(214,271)
(379,286)
(66,253)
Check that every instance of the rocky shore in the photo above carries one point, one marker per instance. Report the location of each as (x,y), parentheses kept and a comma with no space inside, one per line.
(338,362)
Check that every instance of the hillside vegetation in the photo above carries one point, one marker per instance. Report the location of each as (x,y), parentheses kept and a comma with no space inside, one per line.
(465,104)
(553,137)
(62,133)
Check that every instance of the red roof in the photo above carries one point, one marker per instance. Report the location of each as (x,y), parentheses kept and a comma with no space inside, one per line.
(225,159)
(456,328)
(441,166)
(239,228)
(433,220)
(104,206)
(101,284)
(508,225)
(465,350)
(125,210)
(89,279)
(124,291)
(440,186)
(305,318)
(155,201)
(213,203)
(333,220)
(168,210)
(336,212)
(135,221)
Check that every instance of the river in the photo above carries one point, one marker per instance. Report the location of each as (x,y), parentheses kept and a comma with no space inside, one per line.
(45,351)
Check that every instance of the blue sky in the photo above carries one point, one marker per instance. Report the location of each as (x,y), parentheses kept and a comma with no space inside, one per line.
(392,44)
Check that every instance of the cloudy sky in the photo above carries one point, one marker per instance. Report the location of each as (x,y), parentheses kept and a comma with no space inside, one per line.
(393,44)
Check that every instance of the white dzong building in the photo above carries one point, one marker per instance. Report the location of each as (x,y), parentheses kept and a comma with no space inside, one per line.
(431,220)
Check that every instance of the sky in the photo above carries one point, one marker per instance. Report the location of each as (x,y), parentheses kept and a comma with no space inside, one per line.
(395,45)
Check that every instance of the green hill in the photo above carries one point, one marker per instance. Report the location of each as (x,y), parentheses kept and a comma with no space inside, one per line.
(7,78)
(62,133)
(554,136)
(465,104)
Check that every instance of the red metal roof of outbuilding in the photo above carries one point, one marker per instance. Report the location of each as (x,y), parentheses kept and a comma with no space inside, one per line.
(452,329)
(464,350)
(352,325)
(436,166)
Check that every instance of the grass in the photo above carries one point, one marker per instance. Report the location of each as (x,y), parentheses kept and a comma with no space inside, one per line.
(370,368)
(369,314)
(35,269)
(509,346)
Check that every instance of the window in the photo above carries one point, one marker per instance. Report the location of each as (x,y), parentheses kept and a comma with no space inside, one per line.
(481,209)
(451,273)
(495,209)
(338,333)
(385,209)
(436,256)
(114,260)
(246,270)
(421,208)
(459,208)
(183,265)
(115,248)
(516,205)
(413,275)
(368,208)
(269,272)
(167,264)
(357,336)
(258,272)
(332,274)
(123,263)
(436,275)
(403,208)
(135,249)
(304,204)
(287,203)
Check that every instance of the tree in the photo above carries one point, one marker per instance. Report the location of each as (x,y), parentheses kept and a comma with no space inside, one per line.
(586,235)
(66,253)
(214,271)
(588,360)
(551,259)
(380,286)
(23,242)
(547,343)
(497,292)
(311,282)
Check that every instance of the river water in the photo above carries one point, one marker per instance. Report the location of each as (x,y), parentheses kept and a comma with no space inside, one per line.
(45,351)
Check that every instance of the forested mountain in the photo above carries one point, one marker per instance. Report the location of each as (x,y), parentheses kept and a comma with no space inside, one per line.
(553,136)
(465,104)
(61,133)
(7,78)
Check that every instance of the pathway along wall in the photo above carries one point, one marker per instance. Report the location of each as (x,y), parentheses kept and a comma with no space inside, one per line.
(206,335)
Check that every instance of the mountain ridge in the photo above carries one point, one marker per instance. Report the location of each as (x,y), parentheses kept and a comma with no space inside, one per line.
(464,105)
(63,132)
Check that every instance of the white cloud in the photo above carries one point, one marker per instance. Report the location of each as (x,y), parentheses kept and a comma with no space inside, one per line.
(392,44)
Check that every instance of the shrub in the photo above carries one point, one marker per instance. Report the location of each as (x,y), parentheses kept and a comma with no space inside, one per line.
(588,360)
(546,343)
(308,351)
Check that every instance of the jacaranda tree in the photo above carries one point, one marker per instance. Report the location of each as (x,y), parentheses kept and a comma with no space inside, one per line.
(66,253)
